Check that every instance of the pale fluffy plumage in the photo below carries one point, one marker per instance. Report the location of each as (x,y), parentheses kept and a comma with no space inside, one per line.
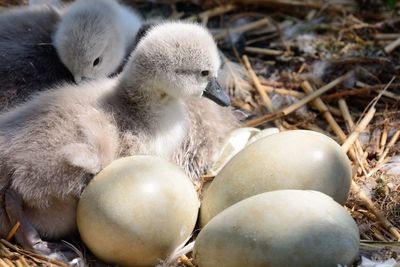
(56,142)
(95,36)
(29,58)
(51,146)
(29,62)
(209,125)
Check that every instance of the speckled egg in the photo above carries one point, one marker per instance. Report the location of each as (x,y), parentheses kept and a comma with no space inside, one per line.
(291,228)
(288,160)
(137,210)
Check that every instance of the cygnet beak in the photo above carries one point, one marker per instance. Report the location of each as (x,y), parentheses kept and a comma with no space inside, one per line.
(215,92)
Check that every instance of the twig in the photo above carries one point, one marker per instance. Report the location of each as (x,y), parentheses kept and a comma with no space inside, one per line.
(360,156)
(344,93)
(383,141)
(391,95)
(244,28)
(386,36)
(262,51)
(281,91)
(389,146)
(287,110)
(370,205)
(291,4)
(362,91)
(3,263)
(33,255)
(220,10)
(206,178)
(357,190)
(365,121)
(377,234)
(392,46)
(350,123)
(175,14)
(267,101)
(335,111)
(185,261)
(360,127)
(279,84)
(320,105)
(13,231)
(23,262)
(8,262)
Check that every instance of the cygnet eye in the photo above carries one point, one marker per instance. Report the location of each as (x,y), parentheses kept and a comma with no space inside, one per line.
(205,73)
(96,61)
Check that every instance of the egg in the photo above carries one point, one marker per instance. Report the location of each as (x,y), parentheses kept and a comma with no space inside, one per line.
(280,228)
(137,210)
(288,160)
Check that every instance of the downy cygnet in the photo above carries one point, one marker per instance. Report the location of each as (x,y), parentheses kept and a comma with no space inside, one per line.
(41,46)
(52,145)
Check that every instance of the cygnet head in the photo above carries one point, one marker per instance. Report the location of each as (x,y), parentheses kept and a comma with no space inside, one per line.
(89,40)
(178,59)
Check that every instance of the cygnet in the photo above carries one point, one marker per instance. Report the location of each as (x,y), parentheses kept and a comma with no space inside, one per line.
(51,146)
(95,36)
(209,125)
(41,46)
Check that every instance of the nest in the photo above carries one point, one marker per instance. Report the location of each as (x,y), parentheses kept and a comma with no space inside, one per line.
(330,68)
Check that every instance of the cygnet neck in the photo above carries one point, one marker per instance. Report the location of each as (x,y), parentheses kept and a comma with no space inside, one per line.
(135,98)
(140,109)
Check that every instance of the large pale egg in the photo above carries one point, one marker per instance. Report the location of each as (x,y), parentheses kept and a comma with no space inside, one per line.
(288,160)
(291,228)
(137,210)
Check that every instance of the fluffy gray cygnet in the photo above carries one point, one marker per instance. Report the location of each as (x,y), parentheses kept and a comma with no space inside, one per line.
(41,46)
(95,36)
(51,146)
(208,126)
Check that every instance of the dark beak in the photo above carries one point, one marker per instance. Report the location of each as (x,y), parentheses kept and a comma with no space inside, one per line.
(215,93)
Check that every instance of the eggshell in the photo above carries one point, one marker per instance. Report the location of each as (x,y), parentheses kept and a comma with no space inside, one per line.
(262,134)
(236,141)
(280,228)
(137,210)
(287,160)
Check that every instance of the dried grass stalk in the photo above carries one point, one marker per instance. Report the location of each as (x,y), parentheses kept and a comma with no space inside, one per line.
(281,91)
(360,127)
(206,15)
(244,28)
(371,206)
(257,84)
(287,110)
(263,51)
(350,123)
(392,46)
(389,146)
